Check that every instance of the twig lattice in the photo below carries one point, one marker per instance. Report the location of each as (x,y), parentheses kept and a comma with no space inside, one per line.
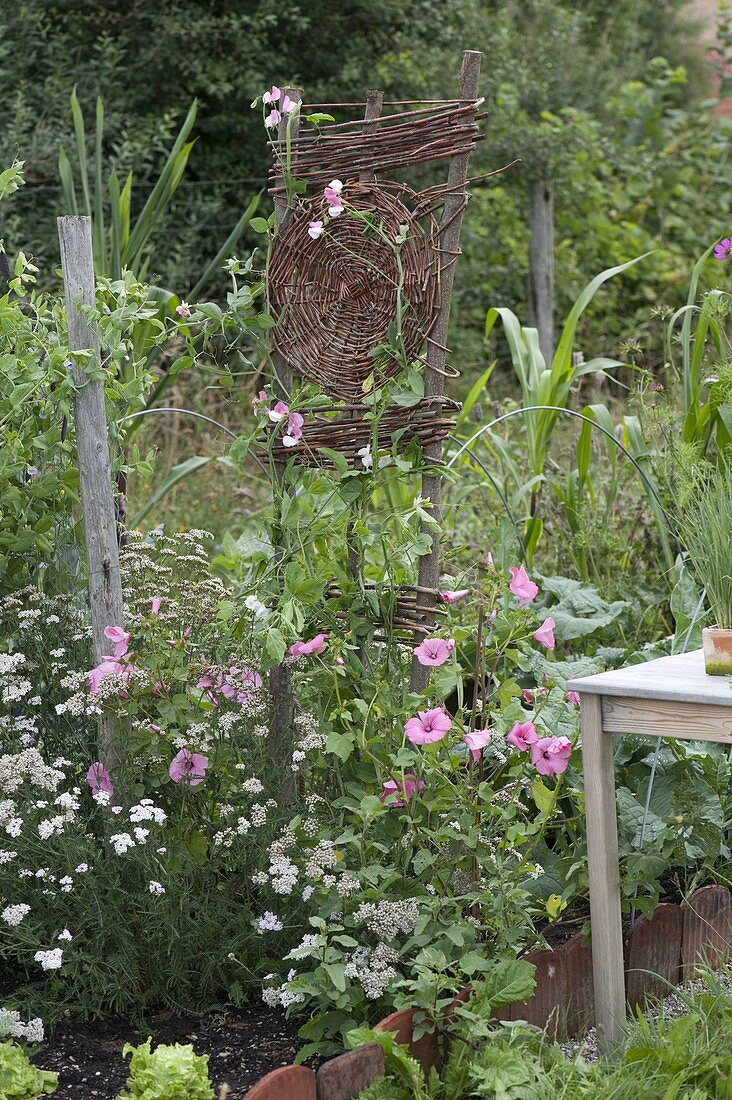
(335,298)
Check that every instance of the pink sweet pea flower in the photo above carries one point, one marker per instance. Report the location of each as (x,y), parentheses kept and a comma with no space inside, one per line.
(260,399)
(98,779)
(272,119)
(333,193)
(454,596)
(573,698)
(428,726)
(155,605)
(398,794)
(315,229)
(272,95)
(476,740)
(522,735)
(288,105)
(434,651)
(183,310)
(335,211)
(293,435)
(188,767)
(723,250)
(550,755)
(279,412)
(120,638)
(545,633)
(521,585)
(305,649)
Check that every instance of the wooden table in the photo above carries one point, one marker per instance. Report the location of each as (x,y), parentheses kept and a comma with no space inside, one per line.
(669,697)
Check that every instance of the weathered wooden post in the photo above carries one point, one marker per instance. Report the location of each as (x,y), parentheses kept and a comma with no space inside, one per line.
(434,379)
(541,263)
(92,445)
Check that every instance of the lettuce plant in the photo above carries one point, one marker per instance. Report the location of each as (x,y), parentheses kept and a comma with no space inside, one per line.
(20,1079)
(166,1073)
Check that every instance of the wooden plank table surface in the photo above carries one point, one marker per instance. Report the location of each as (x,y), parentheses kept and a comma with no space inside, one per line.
(669,697)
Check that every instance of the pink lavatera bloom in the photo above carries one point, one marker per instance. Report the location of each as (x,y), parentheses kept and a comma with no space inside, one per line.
(315,229)
(521,585)
(155,604)
(454,596)
(272,119)
(573,698)
(293,435)
(434,651)
(109,666)
(272,96)
(306,649)
(522,735)
(397,793)
(188,767)
(428,726)
(550,755)
(120,638)
(476,740)
(545,634)
(98,779)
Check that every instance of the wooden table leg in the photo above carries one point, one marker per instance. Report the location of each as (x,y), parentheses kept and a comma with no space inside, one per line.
(602,851)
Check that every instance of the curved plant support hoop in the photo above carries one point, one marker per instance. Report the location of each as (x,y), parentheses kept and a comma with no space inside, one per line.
(188,412)
(499,492)
(588,420)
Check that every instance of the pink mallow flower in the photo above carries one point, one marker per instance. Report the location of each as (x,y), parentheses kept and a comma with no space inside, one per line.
(454,596)
(98,779)
(434,651)
(398,794)
(272,95)
(188,767)
(428,726)
(573,698)
(155,605)
(476,740)
(120,638)
(545,633)
(550,755)
(522,735)
(315,229)
(305,649)
(293,435)
(108,666)
(521,585)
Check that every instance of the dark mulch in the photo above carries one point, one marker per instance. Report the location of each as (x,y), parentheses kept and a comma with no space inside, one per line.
(242,1048)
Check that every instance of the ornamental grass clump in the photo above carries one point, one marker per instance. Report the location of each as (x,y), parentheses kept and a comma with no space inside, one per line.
(706,529)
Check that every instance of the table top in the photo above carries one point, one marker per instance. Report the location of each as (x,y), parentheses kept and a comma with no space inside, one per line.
(681,678)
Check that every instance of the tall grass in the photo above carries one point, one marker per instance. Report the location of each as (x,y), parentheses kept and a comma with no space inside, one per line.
(706,531)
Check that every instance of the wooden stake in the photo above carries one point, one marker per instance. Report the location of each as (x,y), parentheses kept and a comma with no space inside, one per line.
(282,718)
(452,217)
(92,445)
(541,264)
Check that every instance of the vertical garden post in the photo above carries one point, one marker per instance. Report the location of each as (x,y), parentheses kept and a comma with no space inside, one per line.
(434,383)
(280,680)
(92,445)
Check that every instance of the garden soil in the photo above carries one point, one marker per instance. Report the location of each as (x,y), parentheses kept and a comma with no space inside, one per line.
(243,1047)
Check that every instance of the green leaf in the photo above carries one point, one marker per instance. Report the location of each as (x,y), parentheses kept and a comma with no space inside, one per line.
(544,798)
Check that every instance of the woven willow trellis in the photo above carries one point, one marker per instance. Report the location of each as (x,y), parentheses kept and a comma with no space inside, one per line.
(335,299)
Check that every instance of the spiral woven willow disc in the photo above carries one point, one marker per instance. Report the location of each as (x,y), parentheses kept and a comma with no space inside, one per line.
(335,298)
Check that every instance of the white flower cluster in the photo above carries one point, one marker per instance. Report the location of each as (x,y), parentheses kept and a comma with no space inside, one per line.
(322,857)
(147,811)
(50,960)
(15,768)
(270,922)
(12,1027)
(15,914)
(374,970)
(388,918)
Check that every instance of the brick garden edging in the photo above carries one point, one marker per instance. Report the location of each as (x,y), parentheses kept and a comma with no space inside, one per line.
(659,952)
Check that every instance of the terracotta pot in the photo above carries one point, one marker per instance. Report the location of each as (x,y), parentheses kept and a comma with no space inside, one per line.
(717,643)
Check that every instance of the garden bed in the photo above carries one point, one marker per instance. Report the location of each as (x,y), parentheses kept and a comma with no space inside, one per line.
(243,1047)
